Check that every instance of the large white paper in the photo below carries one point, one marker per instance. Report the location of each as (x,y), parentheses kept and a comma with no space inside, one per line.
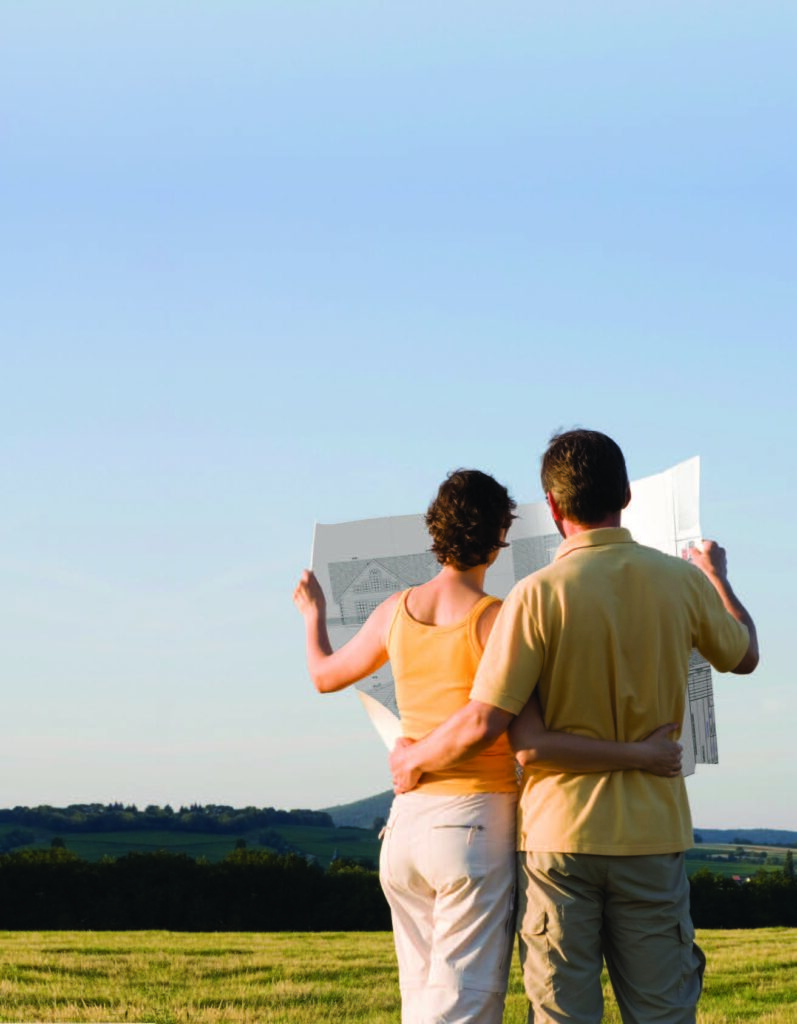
(359,564)
(383,720)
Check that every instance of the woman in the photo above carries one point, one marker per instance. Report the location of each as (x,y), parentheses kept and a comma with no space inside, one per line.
(447,863)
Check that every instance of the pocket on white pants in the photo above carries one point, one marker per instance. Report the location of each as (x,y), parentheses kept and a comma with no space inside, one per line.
(460,852)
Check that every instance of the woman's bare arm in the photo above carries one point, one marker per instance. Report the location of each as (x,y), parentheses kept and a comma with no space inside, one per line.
(541,748)
(362,655)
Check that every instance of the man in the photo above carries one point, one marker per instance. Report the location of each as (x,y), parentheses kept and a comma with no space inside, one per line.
(604,635)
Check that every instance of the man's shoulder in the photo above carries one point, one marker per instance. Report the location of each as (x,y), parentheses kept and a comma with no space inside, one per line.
(663,562)
(579,565)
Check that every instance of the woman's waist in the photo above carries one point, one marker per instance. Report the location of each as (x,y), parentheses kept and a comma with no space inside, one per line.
(494,773)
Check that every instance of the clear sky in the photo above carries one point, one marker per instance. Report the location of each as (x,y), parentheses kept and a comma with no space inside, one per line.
(269,263)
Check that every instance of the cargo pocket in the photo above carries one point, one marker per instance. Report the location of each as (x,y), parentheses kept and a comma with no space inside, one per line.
(534,950)
(534,922)
(693,960)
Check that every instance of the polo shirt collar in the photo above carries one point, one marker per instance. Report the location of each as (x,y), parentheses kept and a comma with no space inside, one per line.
(594,539)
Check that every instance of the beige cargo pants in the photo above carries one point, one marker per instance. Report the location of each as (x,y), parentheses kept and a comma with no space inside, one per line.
(575,910)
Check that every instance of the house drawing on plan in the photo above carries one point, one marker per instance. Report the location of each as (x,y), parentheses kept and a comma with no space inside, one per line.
(360,584)
(532,553)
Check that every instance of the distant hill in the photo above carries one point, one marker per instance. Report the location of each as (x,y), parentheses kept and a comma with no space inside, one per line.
(748,836)
(361,814)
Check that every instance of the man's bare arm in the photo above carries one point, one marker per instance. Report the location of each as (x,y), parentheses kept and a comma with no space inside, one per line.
(469,730)
(713,562)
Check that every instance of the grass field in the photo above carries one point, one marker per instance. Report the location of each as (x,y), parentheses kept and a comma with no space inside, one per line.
(743,861)
(242,978)
(321,843)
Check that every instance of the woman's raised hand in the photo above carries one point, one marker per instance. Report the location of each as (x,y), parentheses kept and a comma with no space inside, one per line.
(308,595)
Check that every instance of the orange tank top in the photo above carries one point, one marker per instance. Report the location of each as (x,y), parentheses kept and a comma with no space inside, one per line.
(433,668)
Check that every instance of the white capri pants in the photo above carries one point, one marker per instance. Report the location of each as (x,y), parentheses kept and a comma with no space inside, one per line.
(447,868)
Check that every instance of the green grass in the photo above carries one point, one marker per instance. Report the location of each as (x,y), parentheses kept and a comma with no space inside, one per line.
(94,846)
(242,978)
(324,843)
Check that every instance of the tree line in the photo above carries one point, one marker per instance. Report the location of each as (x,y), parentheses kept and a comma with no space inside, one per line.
(208,818)
(254,890)
(250,890)
(767,900)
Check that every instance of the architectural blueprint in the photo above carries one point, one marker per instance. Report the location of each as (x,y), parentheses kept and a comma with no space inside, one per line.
(359,564)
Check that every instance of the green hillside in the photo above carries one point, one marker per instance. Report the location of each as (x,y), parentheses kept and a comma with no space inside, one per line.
(344,831)
(362,813)
(325,844)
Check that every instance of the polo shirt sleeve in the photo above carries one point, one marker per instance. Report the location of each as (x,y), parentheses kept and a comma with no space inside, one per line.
(513,657)
(721,639)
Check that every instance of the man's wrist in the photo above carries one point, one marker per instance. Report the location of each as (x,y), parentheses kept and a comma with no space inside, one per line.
(636,753)
(716,578)
(411,758)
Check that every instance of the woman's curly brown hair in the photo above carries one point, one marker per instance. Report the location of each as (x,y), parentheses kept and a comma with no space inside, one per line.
(467,518)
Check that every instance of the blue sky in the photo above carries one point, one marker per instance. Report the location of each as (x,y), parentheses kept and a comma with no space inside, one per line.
(266,264)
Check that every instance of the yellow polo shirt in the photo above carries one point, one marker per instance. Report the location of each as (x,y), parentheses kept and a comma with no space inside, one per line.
(604,633)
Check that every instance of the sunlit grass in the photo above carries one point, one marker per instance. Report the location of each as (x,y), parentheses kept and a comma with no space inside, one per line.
(307,978)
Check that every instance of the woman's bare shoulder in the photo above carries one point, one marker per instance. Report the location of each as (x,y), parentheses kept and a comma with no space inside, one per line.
(487,620)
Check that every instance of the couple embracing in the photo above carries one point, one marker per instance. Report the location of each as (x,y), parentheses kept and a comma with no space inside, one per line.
(580,677)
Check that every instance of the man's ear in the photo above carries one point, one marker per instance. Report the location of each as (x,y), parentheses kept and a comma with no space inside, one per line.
(552,505)
(627,501)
